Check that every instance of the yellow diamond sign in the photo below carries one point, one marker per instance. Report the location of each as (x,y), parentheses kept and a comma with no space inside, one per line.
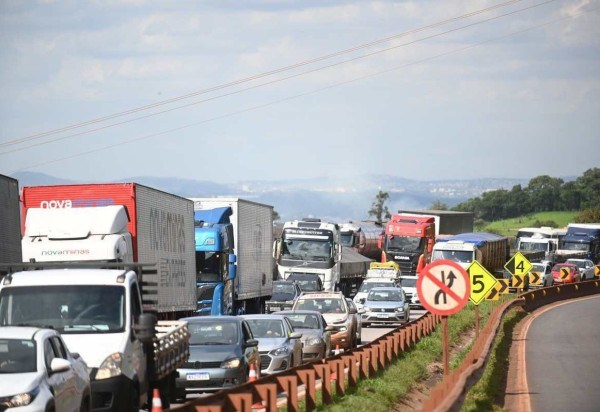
(482,282)
(518,264)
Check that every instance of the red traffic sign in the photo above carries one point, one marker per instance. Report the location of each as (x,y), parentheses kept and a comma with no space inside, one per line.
(443,287)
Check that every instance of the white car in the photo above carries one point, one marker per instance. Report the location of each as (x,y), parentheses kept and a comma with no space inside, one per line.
(586,268)
(409,284)
(38,373)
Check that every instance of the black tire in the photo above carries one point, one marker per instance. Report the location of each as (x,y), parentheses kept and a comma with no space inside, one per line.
(86,405)
(135,398)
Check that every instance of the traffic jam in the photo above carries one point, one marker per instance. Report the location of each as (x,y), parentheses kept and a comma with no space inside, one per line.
(121,295)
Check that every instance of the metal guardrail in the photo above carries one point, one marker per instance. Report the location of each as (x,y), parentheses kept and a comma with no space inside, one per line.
(447,393)
(337,372)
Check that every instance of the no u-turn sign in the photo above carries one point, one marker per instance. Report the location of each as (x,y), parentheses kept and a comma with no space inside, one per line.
(443,287)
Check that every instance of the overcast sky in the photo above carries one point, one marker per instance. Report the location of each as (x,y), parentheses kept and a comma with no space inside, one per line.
(243,90)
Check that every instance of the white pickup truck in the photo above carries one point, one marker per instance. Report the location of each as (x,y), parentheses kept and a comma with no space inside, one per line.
(99,315)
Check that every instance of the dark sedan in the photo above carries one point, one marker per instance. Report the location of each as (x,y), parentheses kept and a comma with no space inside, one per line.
(222,348)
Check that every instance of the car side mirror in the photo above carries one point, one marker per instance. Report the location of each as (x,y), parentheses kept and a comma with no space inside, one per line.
(362,300)
(59,365)
(295,335)
(352,311)
(251,342)
(145,328)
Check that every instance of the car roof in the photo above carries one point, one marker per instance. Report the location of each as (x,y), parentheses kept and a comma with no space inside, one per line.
(22,332)
(290,282)
(409,277)
(195,319)
(321,295)
(297,312)
(270,316)
(384,288)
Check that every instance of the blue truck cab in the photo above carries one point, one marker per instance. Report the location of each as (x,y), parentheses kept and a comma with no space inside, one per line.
(215,261)
(583,237)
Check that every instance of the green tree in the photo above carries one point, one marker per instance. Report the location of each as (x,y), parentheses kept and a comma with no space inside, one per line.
(570,196)
(544,192)
(589,187)
(276,216)
(438,205)
(589,216)
(378,208)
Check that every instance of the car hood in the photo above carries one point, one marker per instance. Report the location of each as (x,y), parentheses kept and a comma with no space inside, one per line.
(410,290)
(268,344)
(383,304)
(335,318)
(213,353)
(95,347)
(14,383)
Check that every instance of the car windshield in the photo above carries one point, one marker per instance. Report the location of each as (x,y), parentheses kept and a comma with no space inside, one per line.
(285,288)
(557,268)
(266,328)
(216,332)
(17,356)
(66,308)
(409,283)
(533,246)
(367,286)
(404,243)
(333,305)
(303,321)
(385,295)
(308,285)
(579,263)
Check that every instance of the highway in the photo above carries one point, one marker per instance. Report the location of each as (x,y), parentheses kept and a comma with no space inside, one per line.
(562,353)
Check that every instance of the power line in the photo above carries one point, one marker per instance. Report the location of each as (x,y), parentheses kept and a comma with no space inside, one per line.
(273,81)
(251,78)
(257,107)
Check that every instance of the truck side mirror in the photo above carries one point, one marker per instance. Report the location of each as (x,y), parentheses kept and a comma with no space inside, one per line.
(232,267)
(145,328)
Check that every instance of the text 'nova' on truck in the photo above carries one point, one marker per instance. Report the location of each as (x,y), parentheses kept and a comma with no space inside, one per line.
(234,258)
(310,246)
(114,258)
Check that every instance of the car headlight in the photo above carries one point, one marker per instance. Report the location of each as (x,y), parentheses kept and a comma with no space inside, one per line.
(280,351)
(366,308)
(314,342)
(110,367)
(400,309)
(341,328)
(20,399)
(230,363)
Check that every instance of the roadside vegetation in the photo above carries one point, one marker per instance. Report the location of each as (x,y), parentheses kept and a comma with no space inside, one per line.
(422,364)
(509,227)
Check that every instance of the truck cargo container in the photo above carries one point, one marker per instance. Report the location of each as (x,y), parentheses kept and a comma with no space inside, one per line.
(10,221)
(408,240)
(447,222)
(246,287)
(86,223)
(363,237)
(490,250)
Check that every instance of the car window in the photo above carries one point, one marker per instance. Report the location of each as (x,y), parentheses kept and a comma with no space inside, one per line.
(59,347)
(246,331)
(48,353)
(17,356)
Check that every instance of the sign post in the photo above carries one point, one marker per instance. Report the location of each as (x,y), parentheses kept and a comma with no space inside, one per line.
(482,282)
(443,288)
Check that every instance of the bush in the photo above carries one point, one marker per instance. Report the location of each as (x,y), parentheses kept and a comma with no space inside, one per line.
(589,216)
(540,223)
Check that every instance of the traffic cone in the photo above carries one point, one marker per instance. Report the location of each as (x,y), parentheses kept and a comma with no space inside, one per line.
(252,376)
(156,402)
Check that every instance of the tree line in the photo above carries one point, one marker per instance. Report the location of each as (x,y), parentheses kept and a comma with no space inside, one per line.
(542,193)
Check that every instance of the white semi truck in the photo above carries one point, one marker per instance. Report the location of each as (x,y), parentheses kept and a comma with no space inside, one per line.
(310,246)
(115,257)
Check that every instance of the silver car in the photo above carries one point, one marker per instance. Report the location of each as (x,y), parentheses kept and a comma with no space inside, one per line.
(544,268)
(38,373)
(386,305)
(586,268)
(279,346)
(316,334)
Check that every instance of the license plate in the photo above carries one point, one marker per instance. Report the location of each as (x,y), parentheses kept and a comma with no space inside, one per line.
(275,308)
(201,376)
(382,315)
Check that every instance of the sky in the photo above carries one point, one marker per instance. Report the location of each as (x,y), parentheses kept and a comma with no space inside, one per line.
(230,91)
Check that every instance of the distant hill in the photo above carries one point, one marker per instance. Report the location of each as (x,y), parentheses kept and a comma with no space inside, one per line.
(334,199)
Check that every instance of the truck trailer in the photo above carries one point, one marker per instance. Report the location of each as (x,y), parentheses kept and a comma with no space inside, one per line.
(245,280)
(364,237)
(447,222)
(10,221)
(490,250)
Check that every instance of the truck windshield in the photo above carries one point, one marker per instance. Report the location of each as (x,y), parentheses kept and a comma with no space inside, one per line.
(404,243)
(68,309)
(346,239)
(460,256)
(532,246)
(306,249)
(576,246)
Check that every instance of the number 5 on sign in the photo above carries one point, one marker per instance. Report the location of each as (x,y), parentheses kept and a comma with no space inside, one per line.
(482,282)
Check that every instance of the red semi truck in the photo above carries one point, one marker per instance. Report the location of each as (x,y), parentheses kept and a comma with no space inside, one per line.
(408,240)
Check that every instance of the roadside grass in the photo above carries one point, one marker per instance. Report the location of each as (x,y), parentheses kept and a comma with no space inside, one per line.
(389,387)
(509,227)
(488,393)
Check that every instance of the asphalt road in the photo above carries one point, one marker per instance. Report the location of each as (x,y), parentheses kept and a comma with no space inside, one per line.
(563,358)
